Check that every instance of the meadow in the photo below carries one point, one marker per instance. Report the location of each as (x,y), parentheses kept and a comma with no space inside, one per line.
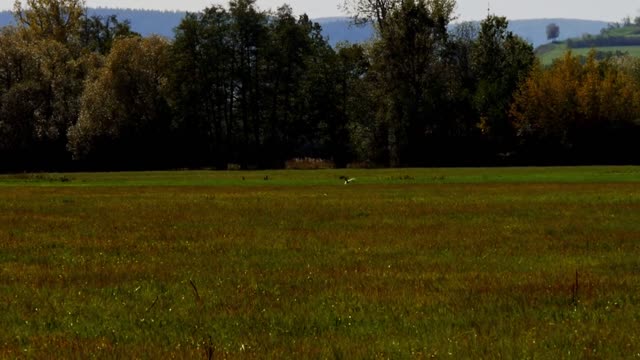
(405,263)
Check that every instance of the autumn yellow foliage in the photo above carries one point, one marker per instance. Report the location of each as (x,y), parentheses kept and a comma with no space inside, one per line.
(572,98)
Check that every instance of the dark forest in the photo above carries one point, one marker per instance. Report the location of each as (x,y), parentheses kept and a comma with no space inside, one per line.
(239,87)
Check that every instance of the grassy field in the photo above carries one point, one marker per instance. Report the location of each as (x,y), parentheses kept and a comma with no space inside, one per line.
(559,50)
(445,263)
(628,30)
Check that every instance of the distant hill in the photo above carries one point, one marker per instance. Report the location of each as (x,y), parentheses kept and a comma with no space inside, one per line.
(340,29)
(337,29)
(145,22)
(6,18)
(535,30)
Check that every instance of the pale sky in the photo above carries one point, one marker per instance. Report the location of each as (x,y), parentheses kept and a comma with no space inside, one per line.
(609,10)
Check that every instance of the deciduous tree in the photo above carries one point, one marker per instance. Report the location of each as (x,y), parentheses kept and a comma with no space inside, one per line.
(553,31)
(59,20)
(585,111)
(501,61)
(376,11)
(126,106)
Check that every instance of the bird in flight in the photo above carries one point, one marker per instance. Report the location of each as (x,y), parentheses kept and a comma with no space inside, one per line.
(347,180)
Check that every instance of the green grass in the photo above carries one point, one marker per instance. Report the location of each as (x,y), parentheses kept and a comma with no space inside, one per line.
(559,50)
(407,263)
(326,177)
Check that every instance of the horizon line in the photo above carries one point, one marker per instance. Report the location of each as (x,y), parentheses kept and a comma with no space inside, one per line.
(342,16)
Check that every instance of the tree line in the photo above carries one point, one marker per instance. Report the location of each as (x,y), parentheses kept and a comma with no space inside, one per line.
(603,41)
(243,86)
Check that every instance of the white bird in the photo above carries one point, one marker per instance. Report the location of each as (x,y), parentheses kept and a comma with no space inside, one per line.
(347,180)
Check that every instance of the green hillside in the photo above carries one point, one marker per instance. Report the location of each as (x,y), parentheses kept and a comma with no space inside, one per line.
(629,30)
(558,50)
(614,41)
